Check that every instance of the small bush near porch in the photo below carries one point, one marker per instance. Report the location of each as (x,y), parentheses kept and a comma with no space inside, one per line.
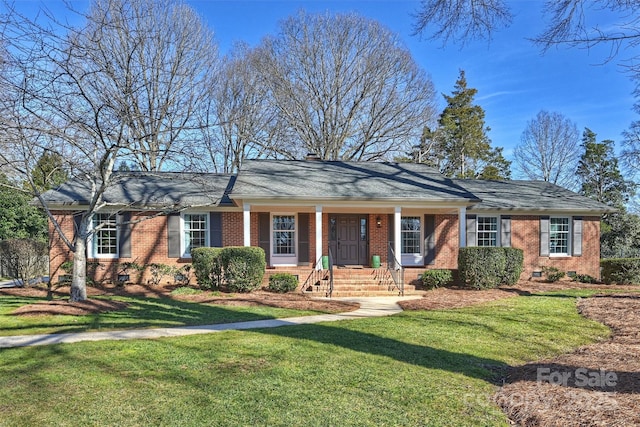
(239,268)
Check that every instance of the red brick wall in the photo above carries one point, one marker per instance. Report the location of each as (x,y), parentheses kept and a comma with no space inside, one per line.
(525,234)
(379,237)
(149,243)
(447,241)
(233,229)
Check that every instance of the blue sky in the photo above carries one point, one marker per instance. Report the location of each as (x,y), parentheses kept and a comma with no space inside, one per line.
(514,79)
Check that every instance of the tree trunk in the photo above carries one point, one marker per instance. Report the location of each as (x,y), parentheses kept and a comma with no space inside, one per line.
(79,280)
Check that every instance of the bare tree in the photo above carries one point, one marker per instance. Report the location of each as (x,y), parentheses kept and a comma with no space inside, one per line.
(465,20)
(85,94)
(241,121)
(549,149)
(345,88)
(154,59)
(460,20)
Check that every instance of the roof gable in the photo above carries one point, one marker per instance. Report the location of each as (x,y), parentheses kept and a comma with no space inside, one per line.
(150,189)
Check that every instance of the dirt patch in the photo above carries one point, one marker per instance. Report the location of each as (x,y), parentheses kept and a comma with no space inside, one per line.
(59,305)
(595,385)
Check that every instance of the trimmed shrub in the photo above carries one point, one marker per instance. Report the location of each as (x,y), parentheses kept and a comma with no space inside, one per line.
(283,282)
(553,274)
(622,271)
(243,267)
(481,267)
(207,267)
(489,267)
(436,278)
(514,265)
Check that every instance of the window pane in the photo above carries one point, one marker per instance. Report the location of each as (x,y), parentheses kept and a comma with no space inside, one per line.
(284,236)
(487,231)
(410,234)
(559,236)
(105,241)
(195,231)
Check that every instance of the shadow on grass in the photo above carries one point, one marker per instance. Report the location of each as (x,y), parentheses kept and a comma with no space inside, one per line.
(140,313)
(371,344)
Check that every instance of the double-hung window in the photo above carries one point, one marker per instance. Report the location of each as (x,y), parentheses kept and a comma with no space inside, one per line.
(284,234)
(410,235)
(196,231)
(559,236)
(105,236)
(487,231)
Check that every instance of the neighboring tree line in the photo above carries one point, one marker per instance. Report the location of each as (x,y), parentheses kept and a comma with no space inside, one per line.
(139,85)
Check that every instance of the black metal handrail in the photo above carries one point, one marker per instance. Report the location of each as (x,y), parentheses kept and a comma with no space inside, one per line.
(395,269)
(330,292)
(317,275)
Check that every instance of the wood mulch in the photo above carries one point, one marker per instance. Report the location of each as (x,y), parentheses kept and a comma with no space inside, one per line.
(60,305)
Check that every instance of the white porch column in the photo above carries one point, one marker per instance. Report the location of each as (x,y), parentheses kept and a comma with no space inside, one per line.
(462,218)
(318,236)
(397,230)
(246,223)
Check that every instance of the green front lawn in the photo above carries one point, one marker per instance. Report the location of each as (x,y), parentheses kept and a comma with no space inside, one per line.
(140,313)
(419,368)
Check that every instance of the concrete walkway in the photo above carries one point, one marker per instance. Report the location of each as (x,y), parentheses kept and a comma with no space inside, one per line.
(369,307)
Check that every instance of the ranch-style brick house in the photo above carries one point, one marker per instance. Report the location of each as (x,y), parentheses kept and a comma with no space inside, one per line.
(402,215)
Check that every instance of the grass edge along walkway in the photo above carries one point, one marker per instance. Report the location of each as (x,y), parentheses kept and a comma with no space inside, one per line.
(369,307)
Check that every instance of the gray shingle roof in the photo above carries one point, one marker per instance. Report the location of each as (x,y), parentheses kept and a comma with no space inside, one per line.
(297,179)
(150,190)
(326,180)
(529,195)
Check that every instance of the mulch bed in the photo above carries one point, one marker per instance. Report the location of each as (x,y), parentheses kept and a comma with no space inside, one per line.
(60,305)
(602,386)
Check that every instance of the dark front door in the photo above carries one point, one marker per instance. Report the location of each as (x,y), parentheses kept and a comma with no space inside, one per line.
(351,239)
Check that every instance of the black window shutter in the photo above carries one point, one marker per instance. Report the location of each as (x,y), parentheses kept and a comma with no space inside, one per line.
(577,236)
(429,239)
(264,233)
(173,229)
(124,236)
(303,238)
(471,230)
(505,231)
(215,229)
(544,236)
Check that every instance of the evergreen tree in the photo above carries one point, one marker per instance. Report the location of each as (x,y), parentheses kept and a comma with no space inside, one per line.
(18,218)
(464,147)
(599,174)
(49,172)
(601,180)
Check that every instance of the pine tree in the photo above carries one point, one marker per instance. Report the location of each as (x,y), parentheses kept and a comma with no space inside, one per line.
(464,146)
(49,172)
(599,174)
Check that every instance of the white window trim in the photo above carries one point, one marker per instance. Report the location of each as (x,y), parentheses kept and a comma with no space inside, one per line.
(569,237)
(284,260)
(92,241)
(413,259)
(207,243)
(497,218)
